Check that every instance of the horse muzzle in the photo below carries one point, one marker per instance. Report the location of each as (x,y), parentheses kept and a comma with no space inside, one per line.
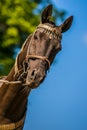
(35,76)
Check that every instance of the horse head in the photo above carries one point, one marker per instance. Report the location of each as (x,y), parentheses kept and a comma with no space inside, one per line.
(43,45)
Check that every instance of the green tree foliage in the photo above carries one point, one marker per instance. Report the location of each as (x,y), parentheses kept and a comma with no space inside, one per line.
(17,20)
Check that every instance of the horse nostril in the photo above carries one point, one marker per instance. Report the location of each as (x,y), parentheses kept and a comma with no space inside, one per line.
(31,75)
(33,72)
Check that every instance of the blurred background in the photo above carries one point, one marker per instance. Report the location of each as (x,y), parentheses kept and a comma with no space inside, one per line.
(60,102)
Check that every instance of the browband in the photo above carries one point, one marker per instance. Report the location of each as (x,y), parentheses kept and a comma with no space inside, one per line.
(51,30)
(45,27)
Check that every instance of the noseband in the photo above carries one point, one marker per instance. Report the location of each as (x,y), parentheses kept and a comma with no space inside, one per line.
(39,57)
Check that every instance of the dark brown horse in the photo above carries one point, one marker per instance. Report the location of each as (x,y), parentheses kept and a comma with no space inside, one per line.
(29,70)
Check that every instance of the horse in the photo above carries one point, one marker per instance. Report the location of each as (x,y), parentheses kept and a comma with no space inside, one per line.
(30,69)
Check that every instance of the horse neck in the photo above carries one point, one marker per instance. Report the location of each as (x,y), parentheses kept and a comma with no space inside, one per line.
(13,98)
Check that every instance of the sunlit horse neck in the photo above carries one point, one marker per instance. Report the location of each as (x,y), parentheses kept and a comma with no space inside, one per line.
(30,69)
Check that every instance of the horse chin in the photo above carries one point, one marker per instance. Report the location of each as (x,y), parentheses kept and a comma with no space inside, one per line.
(35,76)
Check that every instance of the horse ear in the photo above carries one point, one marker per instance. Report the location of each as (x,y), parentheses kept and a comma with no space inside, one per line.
(46,14)
(66,25)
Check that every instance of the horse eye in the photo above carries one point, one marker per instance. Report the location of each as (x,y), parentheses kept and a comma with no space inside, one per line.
(41,35)
(35,37)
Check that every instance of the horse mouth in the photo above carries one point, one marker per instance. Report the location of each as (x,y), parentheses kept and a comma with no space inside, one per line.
(35,76)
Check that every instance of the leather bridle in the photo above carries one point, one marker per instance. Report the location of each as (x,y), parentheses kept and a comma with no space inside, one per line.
(52,32)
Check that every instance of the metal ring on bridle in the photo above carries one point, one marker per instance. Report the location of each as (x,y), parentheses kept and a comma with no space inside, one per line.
(39,57)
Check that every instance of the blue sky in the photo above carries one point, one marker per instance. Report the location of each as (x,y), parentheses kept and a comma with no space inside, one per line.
(60,103)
